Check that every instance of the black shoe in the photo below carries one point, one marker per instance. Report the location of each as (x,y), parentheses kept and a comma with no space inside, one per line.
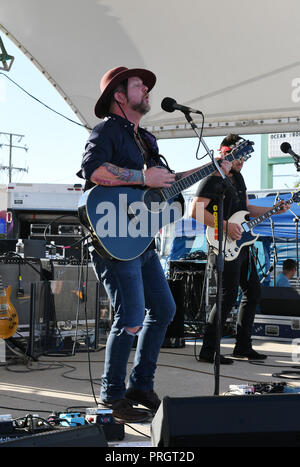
(147,398)
(251,354)
(209,357)
(122,410)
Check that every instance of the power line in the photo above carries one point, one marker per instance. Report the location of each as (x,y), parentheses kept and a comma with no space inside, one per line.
(12,137)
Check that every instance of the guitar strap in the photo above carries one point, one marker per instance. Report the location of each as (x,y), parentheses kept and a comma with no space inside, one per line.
(142,148)
(148,152)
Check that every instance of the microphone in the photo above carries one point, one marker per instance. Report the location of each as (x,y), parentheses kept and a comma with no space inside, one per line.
(287,148)
(169,105)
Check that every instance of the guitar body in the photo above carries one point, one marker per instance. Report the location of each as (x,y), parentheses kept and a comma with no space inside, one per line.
(232,247)
(8,316)
(123,221)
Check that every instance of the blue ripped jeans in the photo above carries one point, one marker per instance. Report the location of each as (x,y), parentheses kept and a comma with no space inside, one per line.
(140,296)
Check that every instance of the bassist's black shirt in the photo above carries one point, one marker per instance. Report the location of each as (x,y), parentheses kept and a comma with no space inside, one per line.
(235,195)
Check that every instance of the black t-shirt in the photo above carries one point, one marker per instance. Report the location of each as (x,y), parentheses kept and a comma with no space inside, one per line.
(235,195)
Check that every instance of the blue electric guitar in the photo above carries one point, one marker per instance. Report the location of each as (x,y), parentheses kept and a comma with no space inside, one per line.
(232,247)
(123,220)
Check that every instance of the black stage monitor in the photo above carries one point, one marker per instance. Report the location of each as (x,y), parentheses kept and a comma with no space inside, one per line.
(280,301)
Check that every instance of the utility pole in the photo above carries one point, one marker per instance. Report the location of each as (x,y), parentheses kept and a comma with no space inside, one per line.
(11,138)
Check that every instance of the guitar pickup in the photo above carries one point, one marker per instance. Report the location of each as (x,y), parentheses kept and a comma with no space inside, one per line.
(245,227)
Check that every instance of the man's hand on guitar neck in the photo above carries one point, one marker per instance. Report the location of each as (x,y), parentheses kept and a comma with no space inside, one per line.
(260,210)
(225,166)
(234,231)
(158,177)
(285,206)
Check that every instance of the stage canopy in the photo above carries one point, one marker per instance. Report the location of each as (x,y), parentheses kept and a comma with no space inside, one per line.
(236,61)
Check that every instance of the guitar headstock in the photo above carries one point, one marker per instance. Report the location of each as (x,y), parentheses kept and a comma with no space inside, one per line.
(246,157)
(241,150)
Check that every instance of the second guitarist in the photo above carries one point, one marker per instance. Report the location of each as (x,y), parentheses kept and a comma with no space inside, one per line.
(240,272)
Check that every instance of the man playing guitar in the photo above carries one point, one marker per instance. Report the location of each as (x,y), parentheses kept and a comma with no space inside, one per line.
(241,272)
(120,152)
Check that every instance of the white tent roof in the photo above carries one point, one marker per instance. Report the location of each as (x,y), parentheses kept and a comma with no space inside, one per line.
(237,61)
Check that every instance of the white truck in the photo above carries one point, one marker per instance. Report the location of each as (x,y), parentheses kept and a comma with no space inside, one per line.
(25,205)
(35,211)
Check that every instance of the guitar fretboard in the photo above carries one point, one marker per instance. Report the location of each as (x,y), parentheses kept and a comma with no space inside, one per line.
(257,220)
(189,180)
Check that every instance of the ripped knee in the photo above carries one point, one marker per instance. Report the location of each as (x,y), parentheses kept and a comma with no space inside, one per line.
(133,331)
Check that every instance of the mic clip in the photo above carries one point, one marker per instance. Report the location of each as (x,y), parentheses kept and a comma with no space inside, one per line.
(297,162)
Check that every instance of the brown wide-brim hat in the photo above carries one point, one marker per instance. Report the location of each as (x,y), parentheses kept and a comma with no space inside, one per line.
(113,78)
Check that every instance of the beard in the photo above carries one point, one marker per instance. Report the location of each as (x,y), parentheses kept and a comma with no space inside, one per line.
(234,171)
(142,107)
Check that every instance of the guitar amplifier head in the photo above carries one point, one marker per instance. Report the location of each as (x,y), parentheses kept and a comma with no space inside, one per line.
(186,266)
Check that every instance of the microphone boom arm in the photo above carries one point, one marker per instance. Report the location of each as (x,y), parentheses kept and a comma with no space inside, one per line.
(194,127)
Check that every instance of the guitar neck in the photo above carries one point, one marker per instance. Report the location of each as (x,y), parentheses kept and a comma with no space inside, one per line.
(257,220)
(185,182)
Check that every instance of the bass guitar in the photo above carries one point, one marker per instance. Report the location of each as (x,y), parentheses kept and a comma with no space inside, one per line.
(123,220)
(9,320)
(232,247)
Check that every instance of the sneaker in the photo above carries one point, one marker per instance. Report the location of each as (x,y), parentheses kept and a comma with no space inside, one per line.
(147,398)
(251,354)
(122,410)
(209,357)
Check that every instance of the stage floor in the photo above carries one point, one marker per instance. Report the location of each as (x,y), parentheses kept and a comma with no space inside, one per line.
(58,382)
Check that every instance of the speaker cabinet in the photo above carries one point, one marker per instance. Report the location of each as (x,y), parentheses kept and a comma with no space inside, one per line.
(70,283)
(82,436)
(262,420)
(281,301)
(81,305)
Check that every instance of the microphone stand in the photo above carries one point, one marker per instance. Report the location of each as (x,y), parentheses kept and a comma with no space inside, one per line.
(275,257)
(220,257)
(296,221)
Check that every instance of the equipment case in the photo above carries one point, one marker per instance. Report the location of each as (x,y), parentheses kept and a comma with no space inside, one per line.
(276,328)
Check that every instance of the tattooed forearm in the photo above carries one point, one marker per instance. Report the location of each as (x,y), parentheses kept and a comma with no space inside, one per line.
(112,175)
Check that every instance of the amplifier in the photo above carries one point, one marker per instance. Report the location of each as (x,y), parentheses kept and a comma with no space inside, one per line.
(189,278)
(283,301)
(78,296)
(7,245)
(181,266)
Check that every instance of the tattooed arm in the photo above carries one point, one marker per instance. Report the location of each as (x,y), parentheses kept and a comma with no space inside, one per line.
(112,175)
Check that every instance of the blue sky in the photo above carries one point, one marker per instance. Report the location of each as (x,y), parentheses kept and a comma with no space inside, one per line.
(55,145)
